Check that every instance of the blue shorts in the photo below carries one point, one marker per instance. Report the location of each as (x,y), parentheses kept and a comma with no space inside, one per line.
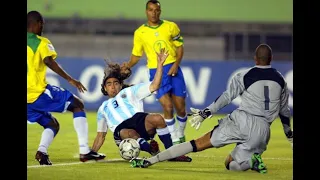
(170,84)
(53,99)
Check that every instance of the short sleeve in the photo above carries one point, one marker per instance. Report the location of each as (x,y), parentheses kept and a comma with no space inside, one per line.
(175,35)
(47,49)
(102,125)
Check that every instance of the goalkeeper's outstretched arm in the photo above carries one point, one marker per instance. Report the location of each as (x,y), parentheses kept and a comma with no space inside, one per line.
(235,88)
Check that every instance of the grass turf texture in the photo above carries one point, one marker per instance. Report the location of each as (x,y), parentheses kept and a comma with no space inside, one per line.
(207,164)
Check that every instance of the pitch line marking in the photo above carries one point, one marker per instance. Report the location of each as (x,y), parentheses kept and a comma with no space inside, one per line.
(75,163)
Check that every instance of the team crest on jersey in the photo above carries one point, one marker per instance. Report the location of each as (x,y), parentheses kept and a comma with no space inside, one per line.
(50,46)
(156,33)
(123,95)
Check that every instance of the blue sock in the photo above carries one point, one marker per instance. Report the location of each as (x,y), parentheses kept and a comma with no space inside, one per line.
(165,137)
(144,145)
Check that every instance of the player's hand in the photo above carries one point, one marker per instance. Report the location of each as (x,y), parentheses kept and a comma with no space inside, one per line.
(162,56)
(290,137)
(125,71)
(198,116)
(173,70)
(78,85)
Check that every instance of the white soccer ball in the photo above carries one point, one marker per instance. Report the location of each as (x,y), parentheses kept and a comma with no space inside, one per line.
(129,148)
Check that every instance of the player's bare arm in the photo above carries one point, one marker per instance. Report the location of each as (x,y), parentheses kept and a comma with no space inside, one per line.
(174,68)
(54,66)
(162,56)
(98,141)
(133,60)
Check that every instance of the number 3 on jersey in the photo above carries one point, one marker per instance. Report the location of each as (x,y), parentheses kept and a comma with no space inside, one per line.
(266,97)
(115,104)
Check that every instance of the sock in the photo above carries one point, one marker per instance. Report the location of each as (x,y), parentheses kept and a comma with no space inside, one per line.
(165,137)
(46,139)
(172,152)
(81,126)
(144,145)
(182,121)
(172,129)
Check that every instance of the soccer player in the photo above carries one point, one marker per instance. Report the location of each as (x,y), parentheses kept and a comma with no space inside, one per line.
(43,98)
(264,95)
(123,112)
(149,39)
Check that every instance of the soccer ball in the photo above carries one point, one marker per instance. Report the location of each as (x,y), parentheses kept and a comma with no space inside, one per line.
(129,148)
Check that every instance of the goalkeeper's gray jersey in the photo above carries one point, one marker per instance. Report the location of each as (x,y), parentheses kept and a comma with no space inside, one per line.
(263,93)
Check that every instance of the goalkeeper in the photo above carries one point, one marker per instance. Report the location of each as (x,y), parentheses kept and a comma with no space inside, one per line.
(264,95)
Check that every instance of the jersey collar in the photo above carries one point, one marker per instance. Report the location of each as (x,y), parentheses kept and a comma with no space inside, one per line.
(154,27)
(263,67)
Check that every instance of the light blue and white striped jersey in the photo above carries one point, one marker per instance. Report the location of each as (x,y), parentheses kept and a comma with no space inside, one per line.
(123,106)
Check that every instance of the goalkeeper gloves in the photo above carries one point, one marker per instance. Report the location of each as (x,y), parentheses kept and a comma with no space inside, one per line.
(198,116)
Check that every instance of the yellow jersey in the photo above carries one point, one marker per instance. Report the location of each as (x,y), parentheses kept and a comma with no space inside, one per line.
(38,48)
(150,40)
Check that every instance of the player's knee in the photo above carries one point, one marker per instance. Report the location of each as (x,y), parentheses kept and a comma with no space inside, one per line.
(129,133)
(76,105)
(53,125)
(158,120)
(167,107)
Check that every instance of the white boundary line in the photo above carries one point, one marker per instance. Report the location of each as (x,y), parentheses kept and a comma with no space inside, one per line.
(119,160)
(75,163)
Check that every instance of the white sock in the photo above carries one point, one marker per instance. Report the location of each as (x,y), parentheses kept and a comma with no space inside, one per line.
(172,129)
(81,127)
(46,139)
(182,121)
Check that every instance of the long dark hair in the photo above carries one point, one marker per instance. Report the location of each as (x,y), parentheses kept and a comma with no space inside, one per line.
(113,70)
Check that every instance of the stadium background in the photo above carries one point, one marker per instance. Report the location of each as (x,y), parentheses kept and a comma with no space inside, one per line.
(220,38)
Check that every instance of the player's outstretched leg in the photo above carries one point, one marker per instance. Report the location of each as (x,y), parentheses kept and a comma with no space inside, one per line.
(141,163)
(156,121)
(257,163)
(51,128)
(81,126)
(174,151)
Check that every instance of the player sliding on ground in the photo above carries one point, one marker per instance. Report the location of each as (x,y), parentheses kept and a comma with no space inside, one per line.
(123,112)
(264,96)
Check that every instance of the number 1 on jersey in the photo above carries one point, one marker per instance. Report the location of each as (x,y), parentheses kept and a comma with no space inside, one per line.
(266,97)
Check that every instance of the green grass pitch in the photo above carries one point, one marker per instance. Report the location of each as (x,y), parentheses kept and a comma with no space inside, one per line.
(208,164)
